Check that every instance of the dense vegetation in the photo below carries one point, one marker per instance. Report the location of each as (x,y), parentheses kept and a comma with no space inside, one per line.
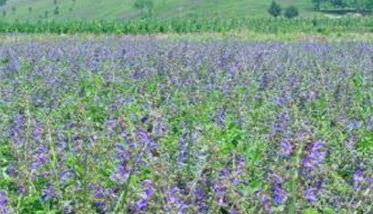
(2,2)
(361,6)
(150,126)
(262,25)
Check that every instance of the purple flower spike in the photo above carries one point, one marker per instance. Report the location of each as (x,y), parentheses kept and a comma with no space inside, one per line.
(4,203)
(49,193)
(265,201)
(358,178)
(40,158)
(311,195)
(316,155)
(121,175)
(286,148)
(280,195)
(143,204)
(18,130)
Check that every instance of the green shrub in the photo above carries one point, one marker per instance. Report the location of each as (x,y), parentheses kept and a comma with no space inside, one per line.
(143,4)
(291,12)
(2,2)
(275,9)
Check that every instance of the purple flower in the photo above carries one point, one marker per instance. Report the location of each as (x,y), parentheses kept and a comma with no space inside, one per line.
(240,165)
(282,123)
(102,207)
(311,194)
(221,117)
(172,195)
(276,179)
(143,203)
(49,193)
(175,202)
(38,132)
(201,199)
(148,189)
(315,155)
(146,141)
(234,211)
(121,175)
(18,129)
(358,178)
(66,175)
(122,172)
(220,190)
(183,209)
(40,158)
(283,100)
(265,201)
(123,154)
(4,203)
(280,196)
(286,148)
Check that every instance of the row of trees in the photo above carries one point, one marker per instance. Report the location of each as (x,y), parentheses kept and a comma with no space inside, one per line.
(276,10)
(357,5)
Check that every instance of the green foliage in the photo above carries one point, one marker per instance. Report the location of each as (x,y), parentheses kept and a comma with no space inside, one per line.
(291,12)
(361,6)
(316,4)
(275,9)
(143,4)
(2,2)
(147,26)
(56,11)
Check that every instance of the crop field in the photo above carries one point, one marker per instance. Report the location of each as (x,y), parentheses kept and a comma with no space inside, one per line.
(152,125)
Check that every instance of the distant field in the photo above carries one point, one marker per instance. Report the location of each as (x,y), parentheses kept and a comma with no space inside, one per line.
(124,9)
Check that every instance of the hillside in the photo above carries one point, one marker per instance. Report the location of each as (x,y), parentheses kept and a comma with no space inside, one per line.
(34,10)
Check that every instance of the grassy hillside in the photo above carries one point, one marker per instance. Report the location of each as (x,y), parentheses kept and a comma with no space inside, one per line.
(124,9)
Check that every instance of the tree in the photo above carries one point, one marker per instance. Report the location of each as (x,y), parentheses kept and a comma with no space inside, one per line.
(146,6)
(291,12)
(56,10)
(316,4)
(143,4)
(363,6)
(2,2)
(338,3)
(275,9)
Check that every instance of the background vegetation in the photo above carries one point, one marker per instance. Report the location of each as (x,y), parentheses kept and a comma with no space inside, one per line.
(138,9)
(262,25)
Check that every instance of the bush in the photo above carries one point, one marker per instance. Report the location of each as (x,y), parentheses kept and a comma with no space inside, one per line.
(275,9)
(56,11)
(291,12)
(2,2)
(143,4)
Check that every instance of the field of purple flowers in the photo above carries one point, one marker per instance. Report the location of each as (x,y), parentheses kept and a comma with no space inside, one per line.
(137,125)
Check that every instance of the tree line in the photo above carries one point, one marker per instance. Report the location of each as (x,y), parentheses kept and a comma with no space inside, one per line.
(360,6)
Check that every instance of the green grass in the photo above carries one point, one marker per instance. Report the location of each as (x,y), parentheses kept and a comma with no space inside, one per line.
(124,9)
